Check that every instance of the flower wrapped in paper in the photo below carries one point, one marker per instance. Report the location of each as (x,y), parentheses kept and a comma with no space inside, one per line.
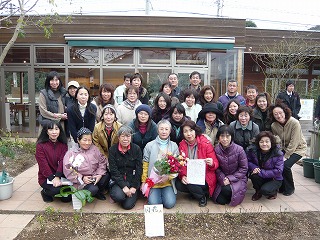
(167,167)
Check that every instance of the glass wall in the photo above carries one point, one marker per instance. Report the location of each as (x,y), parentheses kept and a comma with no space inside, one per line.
(88,77)
(49,55)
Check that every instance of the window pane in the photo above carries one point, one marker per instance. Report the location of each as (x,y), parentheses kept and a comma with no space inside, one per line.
(49,55)
(18,55)
(115,76)
(191,57)
(84,55)
(154,56)
(88,77)
(118,56)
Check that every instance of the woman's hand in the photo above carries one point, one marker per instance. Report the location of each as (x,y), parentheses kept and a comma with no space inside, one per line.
(209,161)
(97,177)
(133,190)
(256,171)
(56,182)
(226,181)
(142,185)
(164,178)
(127,191)
(184,180)
(87,179)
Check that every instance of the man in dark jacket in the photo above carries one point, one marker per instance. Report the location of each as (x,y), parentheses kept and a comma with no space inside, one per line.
(291,99)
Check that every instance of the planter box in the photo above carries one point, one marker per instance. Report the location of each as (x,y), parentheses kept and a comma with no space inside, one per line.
(308,170)
(6,189)
(317,172)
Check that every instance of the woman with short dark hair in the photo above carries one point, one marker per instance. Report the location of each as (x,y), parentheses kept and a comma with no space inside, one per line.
(244,129)
(294,145)
(260,115)
(232,171)
(265,166)
(197,146)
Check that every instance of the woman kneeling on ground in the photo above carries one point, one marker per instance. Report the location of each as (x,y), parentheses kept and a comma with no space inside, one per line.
(265,166)
(162,192)
(50,150)
(197,146)
(232,172)
(85,166)
(125,159)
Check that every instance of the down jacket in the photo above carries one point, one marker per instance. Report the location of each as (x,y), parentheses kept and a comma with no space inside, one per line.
(233,164)
(271,168)
(204,150)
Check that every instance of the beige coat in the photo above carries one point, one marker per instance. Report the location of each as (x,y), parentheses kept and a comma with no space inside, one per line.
(291,137)
(100,137)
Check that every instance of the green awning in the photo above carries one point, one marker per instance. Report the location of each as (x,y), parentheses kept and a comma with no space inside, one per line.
(77,40)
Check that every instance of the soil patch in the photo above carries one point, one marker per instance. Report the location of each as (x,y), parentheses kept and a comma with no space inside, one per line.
(53,224)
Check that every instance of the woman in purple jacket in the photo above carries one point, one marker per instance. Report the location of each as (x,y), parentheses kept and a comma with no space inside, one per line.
(231,173)
(50,150)
(265,166)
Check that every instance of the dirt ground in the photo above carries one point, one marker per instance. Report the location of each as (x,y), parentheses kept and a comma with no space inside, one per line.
(56,225)
(53,224)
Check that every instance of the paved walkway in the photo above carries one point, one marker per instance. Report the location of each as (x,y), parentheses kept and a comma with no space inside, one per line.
(27,199)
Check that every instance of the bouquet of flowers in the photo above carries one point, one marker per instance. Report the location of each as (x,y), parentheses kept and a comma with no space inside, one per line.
(168,165)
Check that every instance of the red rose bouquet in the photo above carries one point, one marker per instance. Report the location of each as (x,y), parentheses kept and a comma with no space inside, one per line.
(168,165)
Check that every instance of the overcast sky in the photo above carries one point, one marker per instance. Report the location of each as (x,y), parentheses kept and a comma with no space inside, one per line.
(274,14)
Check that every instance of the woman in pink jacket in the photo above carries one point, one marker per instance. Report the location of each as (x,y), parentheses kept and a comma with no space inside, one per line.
(195,145)
(86,167)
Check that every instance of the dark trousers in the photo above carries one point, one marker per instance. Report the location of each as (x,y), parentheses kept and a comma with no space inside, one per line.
(50,190)
(101,186)
(266,186)
(288,184)
(117,195)
(225,195)
(197,191)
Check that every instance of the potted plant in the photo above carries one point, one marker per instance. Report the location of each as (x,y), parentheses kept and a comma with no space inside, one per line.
(6,182)
(79,197)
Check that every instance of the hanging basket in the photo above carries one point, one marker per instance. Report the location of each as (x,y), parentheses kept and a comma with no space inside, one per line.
(308,171)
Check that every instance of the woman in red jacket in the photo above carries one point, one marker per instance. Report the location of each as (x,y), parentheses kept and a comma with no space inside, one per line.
(50,150)
(197,146)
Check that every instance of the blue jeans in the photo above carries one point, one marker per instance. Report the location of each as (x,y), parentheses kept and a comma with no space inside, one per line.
(165,196)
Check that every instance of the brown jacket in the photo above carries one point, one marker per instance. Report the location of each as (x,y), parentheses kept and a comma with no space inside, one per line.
(291,137)
(100,137)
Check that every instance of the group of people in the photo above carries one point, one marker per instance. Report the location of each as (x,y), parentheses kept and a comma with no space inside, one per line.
(117,138)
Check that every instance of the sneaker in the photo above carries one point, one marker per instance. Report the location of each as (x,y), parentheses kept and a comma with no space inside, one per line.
(256,196)
(46,198)
(203,201)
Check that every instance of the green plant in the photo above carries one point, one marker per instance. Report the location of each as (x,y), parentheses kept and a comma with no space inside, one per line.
(6,151)
(83,195)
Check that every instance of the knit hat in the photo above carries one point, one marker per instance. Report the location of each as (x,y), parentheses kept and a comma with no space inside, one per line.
(210,107)
(144,107)
(83,131)
(73,83)
(111,107)
(289,82)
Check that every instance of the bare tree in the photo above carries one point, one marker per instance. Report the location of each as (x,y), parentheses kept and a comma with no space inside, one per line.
(17,14)
(286,59)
